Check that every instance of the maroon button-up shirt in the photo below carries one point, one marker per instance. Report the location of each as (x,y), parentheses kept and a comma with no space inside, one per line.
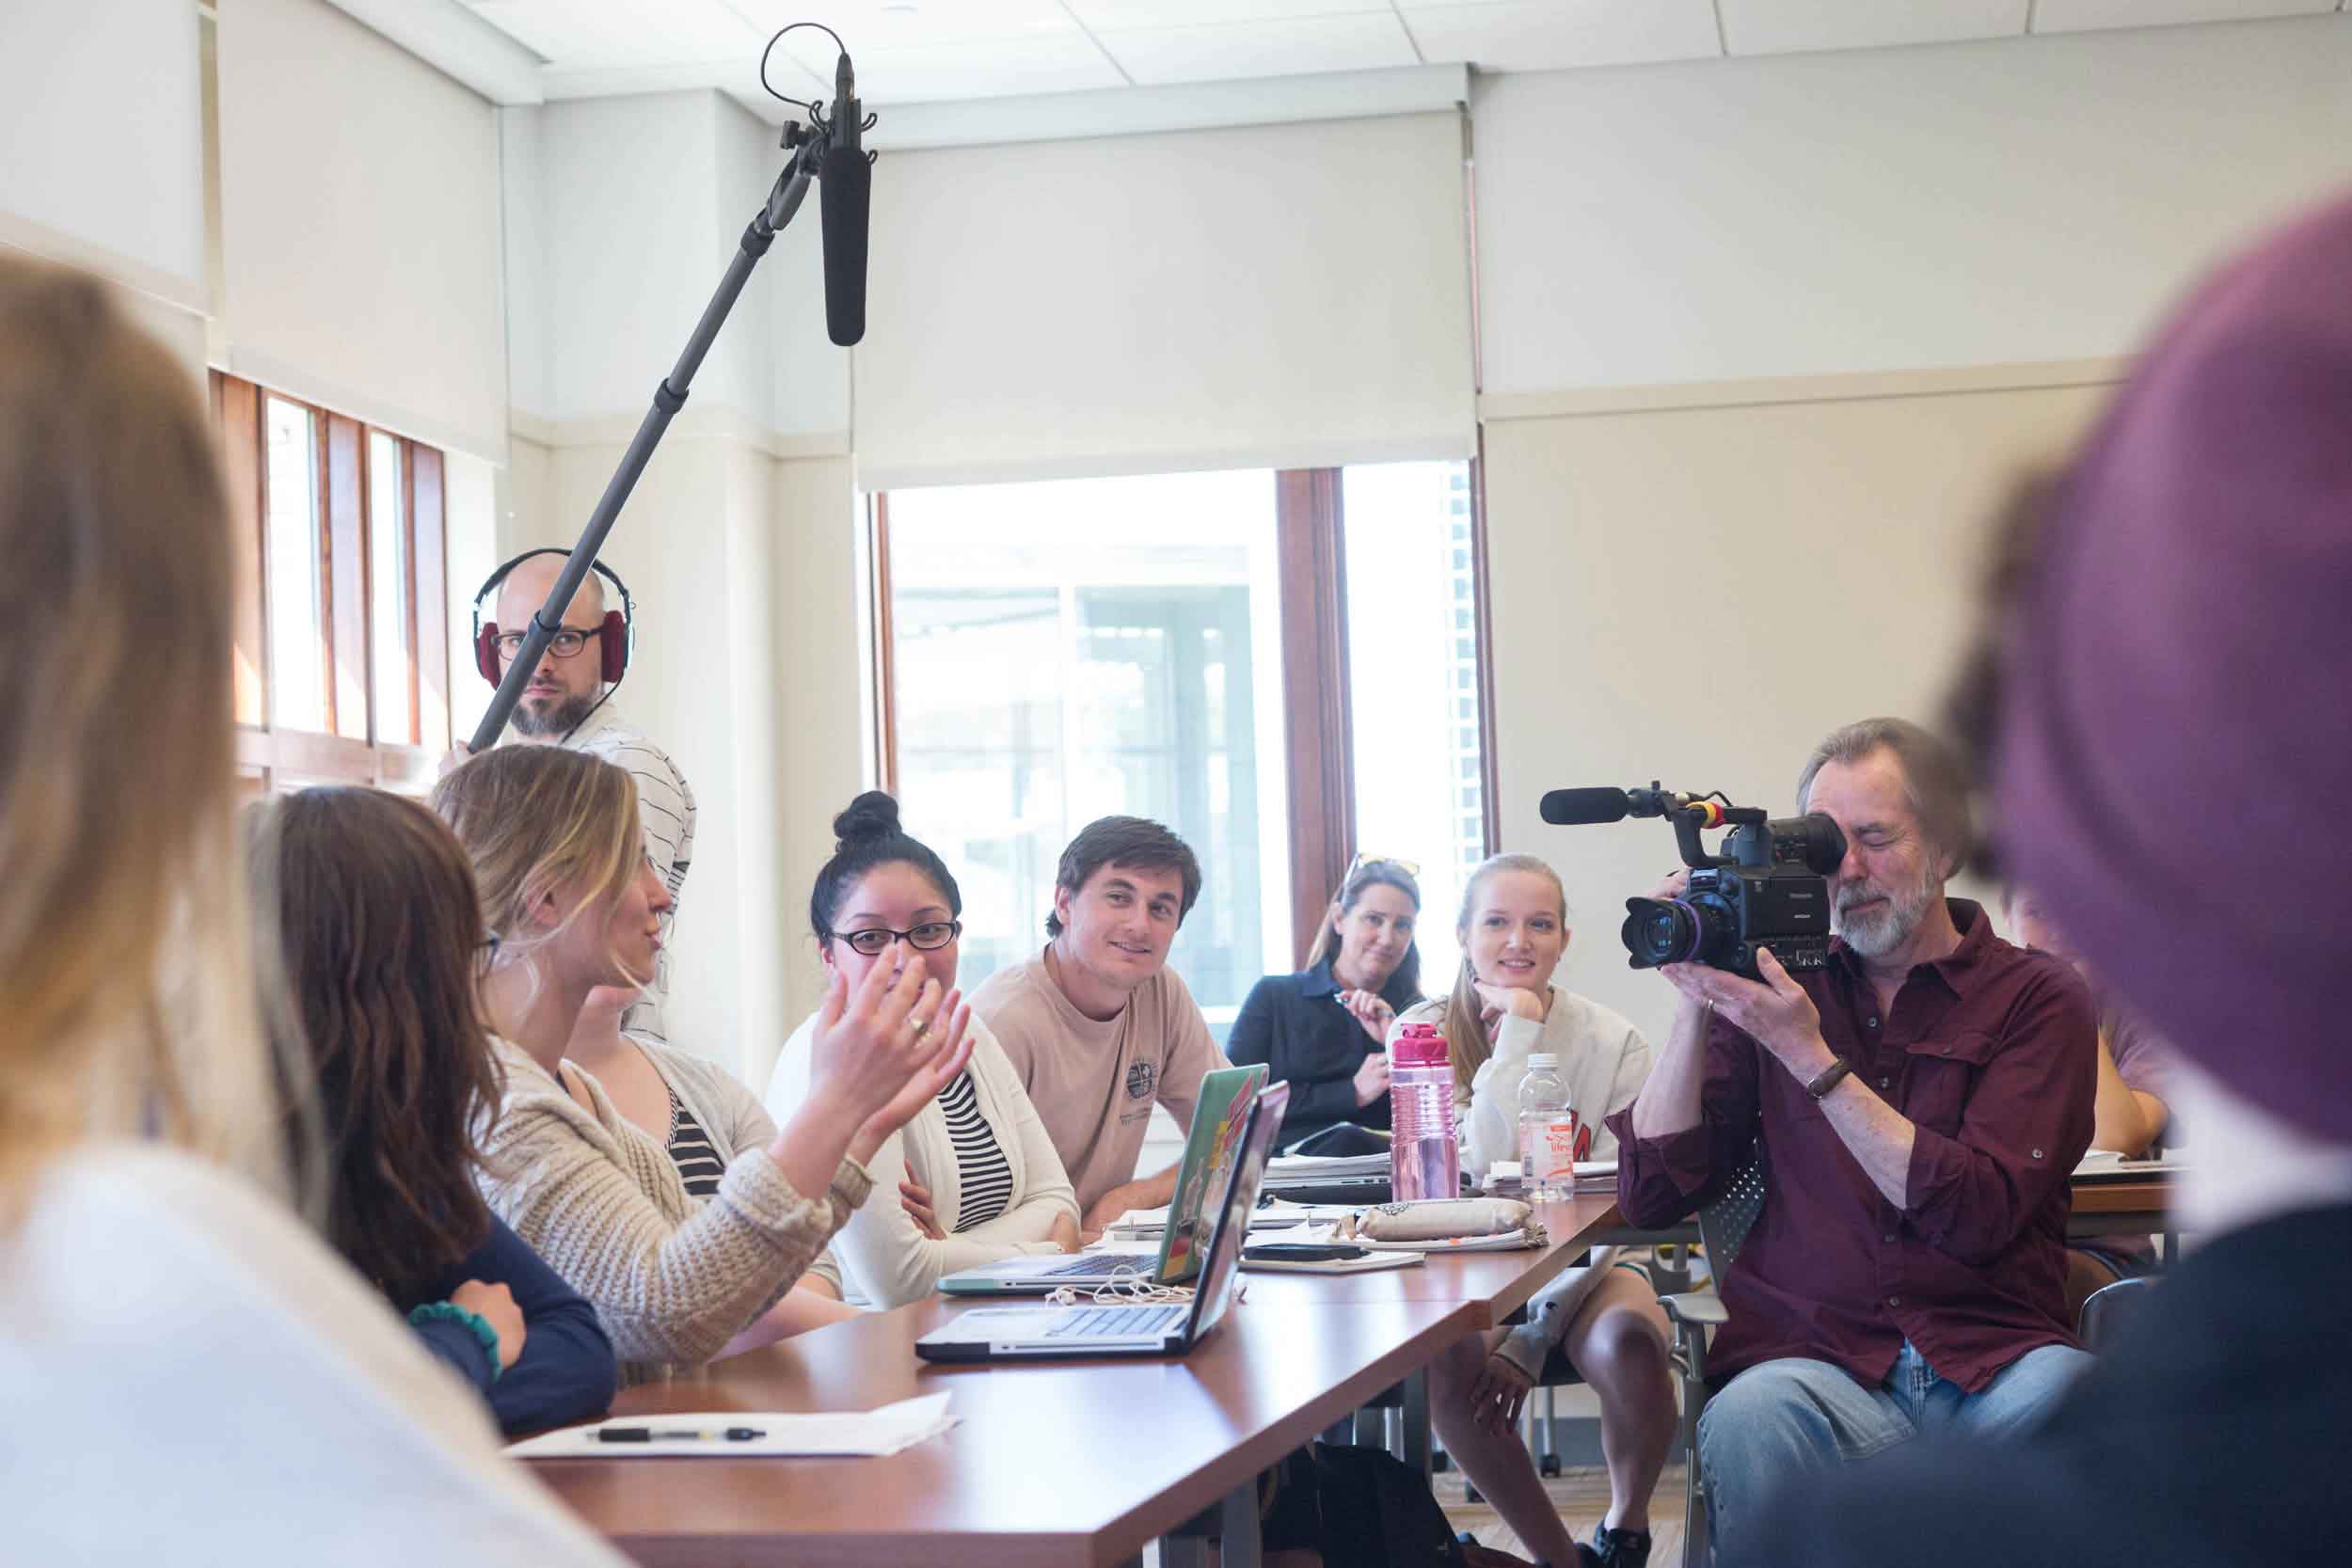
(1992,1055)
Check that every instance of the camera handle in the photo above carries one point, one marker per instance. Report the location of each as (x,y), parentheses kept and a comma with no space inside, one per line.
(1689,822)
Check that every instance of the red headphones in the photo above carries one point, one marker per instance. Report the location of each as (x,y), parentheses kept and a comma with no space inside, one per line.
(616,634)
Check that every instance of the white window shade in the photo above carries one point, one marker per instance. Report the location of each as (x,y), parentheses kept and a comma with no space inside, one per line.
(1288,295)
(361,227)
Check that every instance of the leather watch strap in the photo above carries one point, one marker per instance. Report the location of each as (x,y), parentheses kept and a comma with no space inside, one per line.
(1828,1078)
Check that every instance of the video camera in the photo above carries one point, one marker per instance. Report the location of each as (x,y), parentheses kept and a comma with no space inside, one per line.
(1767,889)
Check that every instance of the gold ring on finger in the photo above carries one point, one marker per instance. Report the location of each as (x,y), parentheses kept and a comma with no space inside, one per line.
(920,1024)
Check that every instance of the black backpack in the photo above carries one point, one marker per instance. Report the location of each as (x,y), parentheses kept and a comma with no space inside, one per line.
(1361,1509)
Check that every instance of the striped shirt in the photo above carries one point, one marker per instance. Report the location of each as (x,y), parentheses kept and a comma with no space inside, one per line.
(985,1175)
(666,810)
(699,1164)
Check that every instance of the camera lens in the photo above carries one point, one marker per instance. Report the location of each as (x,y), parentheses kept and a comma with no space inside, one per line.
(1661,931)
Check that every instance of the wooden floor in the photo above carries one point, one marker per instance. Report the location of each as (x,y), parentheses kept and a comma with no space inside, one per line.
(1583,1498)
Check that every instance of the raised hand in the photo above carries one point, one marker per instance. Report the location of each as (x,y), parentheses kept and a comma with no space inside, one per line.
(1373,1014)
(870,1042)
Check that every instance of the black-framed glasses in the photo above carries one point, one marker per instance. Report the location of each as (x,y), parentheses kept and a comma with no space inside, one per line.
(928,937)
(567,642)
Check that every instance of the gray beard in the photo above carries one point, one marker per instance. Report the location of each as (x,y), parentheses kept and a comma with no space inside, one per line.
(1883,931)
(555,719)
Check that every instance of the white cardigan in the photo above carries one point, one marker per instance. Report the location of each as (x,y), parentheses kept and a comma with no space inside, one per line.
(888,1260)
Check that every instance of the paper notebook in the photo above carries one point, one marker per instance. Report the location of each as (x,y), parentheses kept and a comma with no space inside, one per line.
(845,1434)
(1370,1262)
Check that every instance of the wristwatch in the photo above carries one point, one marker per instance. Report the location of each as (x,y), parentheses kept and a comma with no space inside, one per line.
(1828,1078)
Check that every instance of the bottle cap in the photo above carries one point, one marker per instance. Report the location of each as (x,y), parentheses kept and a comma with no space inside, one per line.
(1420,1045)
(1538,1061)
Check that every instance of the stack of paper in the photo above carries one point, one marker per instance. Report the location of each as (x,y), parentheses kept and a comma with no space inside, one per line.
(1149,1223)
(1302,1165)
(699,1434)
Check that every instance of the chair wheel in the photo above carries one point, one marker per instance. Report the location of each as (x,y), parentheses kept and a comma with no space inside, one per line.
(1549,1465)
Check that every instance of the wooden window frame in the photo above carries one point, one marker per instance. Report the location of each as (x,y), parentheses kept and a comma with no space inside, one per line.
(274,756)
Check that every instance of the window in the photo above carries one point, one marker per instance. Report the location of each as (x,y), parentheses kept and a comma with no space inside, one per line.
(342,659)
(1413,678)
(1067,651)
(1169,646)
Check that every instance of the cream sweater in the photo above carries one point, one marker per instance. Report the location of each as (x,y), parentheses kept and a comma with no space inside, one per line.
(192,1378)
(889,1261)
(672,1279)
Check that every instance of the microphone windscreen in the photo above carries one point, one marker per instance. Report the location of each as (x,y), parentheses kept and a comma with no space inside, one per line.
(845,193)
(1571,807)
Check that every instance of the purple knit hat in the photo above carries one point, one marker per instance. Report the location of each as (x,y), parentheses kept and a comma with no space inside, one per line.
(2174,764)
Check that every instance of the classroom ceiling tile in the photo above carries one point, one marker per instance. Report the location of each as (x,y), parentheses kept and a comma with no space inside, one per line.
(594,33)
(1128,15)
(1560,34)
(2082,16)
(865,24)
(1295,46)
(989,68)
(1790,26)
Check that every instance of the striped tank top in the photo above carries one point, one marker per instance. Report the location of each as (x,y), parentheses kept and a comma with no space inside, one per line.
(986,1175)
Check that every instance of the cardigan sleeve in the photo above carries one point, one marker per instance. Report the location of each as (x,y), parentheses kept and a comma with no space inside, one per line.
(668,1291)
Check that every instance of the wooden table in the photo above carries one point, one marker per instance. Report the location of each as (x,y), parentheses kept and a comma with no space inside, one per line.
(1493,1285)
(1057,1465)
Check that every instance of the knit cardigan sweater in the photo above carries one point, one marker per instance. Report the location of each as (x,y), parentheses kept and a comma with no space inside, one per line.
(671,1280)
(889,1261)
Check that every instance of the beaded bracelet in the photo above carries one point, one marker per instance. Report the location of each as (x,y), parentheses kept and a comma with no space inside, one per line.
(433,1311)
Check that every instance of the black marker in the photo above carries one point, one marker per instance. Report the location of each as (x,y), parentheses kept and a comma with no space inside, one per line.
(648,1434)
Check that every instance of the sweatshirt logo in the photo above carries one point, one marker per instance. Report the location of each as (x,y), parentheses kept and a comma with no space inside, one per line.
(1141,1078)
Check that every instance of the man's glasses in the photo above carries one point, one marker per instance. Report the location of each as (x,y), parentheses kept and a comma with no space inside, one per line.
(928,937)
(564,644)
(1410,868)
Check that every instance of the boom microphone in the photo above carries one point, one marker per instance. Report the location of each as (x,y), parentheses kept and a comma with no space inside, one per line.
(846,194)
(1571,807)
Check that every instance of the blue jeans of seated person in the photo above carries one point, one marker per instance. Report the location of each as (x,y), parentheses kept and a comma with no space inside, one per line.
(1779,1419)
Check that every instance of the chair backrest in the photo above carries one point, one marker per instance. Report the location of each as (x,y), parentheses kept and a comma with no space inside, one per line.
(1725,1223)
(2107,1309)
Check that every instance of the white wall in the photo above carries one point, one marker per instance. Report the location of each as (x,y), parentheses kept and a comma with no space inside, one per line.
(2017,201)
(361,227)
(100,114)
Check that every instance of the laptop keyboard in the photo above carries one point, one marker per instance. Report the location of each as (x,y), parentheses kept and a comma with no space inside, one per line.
(1091,1264)
(1118,1321)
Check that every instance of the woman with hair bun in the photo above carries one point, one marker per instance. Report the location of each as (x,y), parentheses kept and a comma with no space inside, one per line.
(981,1179)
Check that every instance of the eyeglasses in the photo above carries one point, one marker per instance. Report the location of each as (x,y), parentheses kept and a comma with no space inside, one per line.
(564,644)
(927,938)
(1410,868)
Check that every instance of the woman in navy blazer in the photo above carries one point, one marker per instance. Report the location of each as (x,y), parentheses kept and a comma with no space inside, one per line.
(1323,1031)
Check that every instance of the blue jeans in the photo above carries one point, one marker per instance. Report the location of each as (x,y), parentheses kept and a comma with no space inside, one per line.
(1780,1420)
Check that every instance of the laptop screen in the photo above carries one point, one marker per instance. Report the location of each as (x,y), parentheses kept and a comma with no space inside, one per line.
(1215,1285)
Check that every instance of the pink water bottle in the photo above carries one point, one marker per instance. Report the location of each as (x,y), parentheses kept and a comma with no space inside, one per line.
(1425,1158)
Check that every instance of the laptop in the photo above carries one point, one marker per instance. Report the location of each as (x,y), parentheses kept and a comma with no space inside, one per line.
(1037,1333)
(1218,1116)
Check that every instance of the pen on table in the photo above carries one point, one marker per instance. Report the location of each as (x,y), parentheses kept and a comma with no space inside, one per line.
(682,1434)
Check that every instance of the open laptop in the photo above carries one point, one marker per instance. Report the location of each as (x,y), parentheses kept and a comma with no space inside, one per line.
(1217,1117)
(1036,1333)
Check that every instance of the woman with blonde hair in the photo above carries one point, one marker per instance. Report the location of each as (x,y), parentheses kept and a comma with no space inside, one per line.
(1604,1317)
(194,1375)
(575,905)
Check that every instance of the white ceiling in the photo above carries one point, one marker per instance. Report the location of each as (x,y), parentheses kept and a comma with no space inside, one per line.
(914,51)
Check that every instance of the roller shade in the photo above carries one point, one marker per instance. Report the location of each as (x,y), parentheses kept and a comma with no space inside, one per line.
(361,227)
(1284,295)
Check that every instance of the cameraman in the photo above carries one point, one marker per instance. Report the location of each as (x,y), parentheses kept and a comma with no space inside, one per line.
(1920,1105)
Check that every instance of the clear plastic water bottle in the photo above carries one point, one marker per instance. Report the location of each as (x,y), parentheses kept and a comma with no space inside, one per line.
(1548,1130)
(1426,1156)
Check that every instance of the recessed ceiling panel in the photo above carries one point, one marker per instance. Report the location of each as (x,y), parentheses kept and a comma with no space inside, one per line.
(1792,26)
(1560,34)
(1290,48)
(2082,16)
(597,33)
